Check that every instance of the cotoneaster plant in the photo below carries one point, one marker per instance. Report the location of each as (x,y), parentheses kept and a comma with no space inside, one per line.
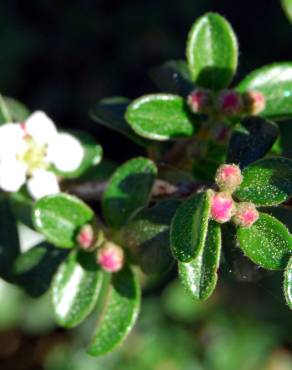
(203,194)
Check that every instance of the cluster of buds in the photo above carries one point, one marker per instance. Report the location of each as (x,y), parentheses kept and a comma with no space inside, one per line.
(109,256)
(227,102)
(223,206)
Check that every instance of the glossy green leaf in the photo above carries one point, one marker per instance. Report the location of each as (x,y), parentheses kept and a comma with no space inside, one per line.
(110,113)
(199,276)
(119,314)
(58,217)
(173,77)
(9,241)
(160,117)
(92,155)
(189,227)
(251,140)
(267,182)
(212,52)
(35,268)
(267,242)
(274,81)
(288,283)
(12,110)
(128,190)
(287,7)
(75,288)
(147,237)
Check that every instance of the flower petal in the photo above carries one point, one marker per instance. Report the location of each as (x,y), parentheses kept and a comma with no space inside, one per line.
(12,174)
(42,183)
(40,127)
(11,140)
(66,152)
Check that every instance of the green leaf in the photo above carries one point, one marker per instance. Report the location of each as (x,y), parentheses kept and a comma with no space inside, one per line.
(173,77)
(267,182)
(92,155)
(274,81)
(212,52)
(251,140)
(147,237)
(160,117)
(35,268)
(189,227)
(75,288)
(288,283)
(58,217)
(128,190)
(199,276)
(287,7)
(12,110)
(9,241)
(120,312)
(110,113)
(267,242)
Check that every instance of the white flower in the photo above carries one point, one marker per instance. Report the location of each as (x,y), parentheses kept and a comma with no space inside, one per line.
(42,183)
(65,160)
(29,149)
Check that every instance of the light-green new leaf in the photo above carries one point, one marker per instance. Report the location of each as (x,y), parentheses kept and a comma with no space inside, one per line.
(212,52)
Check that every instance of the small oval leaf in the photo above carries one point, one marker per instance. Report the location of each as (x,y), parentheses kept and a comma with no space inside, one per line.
(147,237)
(275,83)
(119,315)
(128,190)
(11,110)
(267,242)
(287,7)
(251,140)
(160,117)
(199,276)
(189,227)
(266,182)
(75,289)
(58,217)
(212,51)
(288,283)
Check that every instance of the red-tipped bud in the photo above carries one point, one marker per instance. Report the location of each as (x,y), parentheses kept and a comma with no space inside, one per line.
(110,257)
(199,100)
(222,207)
(229,103)
(254,102)
(228,177)
(86,237)
(246,214)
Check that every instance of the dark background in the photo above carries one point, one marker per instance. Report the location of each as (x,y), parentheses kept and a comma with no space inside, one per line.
(62,56)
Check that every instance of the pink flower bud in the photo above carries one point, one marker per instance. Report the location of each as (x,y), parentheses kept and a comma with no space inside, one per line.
(222,207)
(254,102)
(110,257)
(246,214)
(199,100)
(228,177)
(229,103)
(86,237)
